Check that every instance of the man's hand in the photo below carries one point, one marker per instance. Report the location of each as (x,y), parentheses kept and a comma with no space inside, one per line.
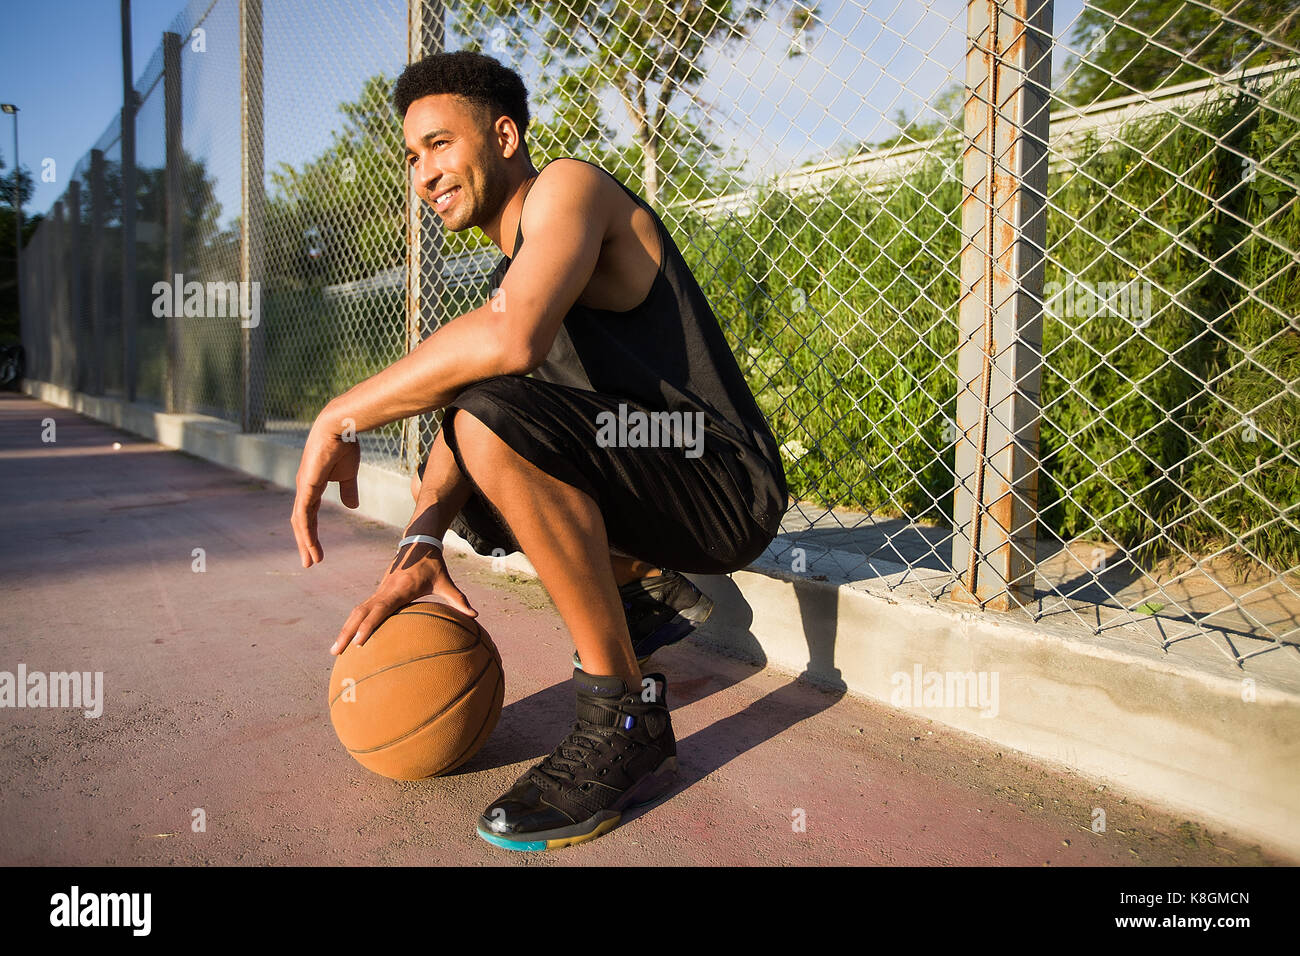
(417,570)
(325,458)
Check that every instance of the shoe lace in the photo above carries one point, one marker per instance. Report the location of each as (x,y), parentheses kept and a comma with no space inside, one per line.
(575,751)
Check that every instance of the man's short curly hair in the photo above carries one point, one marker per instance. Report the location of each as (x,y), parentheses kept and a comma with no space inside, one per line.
(495,89)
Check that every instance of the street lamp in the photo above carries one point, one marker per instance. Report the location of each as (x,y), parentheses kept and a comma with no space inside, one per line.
(12,110)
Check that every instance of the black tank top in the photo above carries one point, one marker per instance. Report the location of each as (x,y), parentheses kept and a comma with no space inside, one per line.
(668,353)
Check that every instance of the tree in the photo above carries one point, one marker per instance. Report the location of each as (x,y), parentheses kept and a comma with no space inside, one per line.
(1126,47)
(690,166)
(340,216)
(646,52)
(8,255)
(25,185)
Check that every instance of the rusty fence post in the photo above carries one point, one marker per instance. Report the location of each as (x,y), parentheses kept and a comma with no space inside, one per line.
(253,216)
(999,361)
(75,264)
(173,396)
(95,294)
(130,199)
(425,35)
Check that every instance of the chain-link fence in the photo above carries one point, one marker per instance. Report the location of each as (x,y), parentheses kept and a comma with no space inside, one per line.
(1015,282)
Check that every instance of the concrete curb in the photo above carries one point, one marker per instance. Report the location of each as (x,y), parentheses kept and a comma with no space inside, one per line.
(1183,732)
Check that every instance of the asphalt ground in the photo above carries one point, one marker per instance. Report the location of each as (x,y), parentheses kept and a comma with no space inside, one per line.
(214,700)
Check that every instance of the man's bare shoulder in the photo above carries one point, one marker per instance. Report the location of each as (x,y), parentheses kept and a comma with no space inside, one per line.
(570,186)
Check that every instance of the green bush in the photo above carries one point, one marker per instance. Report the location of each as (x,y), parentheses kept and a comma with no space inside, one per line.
(1162,432)
(836,309)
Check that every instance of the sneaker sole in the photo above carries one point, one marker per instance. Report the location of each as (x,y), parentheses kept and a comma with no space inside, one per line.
(649,788)
(672,630)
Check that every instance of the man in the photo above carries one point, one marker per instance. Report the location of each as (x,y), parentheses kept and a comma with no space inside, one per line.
(595,419)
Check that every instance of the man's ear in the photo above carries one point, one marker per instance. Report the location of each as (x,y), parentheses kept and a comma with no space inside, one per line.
(508,138)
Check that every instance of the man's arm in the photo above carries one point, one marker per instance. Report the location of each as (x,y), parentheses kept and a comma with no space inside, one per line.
(417,569)
(443,492)
(566,219)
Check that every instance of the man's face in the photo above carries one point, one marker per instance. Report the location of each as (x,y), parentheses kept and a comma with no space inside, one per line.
(455,162)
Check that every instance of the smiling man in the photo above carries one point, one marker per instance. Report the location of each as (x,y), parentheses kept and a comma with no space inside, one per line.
(595,419)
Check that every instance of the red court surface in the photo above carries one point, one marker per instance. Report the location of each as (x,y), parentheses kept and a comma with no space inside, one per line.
(215,700)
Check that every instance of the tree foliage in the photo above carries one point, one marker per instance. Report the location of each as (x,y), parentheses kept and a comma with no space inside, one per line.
(647,53)
(1124,47)
(340,216)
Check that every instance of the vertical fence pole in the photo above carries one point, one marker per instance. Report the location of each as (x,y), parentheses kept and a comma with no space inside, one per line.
(95,294)
(425,35)
(34,310)
(58,296)
(253,205)
(129,357)
(26,330)
(174,209)
(76,300)
(49,277)
(1004,231)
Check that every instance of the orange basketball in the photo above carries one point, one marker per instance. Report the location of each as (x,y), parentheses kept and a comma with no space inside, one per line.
(421,696)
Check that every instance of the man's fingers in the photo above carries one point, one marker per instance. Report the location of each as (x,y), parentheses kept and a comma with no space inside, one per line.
(349,629)
(363,622)
(453,596)
(298,521)
(376,615)
(309,550)
(348,493)
(305,507)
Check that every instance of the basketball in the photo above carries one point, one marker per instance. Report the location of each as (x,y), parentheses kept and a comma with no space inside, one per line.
(421,696)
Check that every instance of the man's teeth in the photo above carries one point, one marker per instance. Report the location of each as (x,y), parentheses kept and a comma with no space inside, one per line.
(443,199)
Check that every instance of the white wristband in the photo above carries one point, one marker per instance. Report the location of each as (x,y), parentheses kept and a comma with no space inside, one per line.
(420,539)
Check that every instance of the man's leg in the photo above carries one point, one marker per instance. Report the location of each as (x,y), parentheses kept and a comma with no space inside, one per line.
(625,569)
(562,532)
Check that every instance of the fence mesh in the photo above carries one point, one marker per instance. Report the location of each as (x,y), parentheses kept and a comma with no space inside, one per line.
(808,160)
(209,353)
(1171,348)
(335,222)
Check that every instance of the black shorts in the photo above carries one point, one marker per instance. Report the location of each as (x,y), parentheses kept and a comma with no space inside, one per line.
(709,514)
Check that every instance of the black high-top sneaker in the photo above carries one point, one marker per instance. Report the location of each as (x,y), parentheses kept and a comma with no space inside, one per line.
(621,753)
(660,611)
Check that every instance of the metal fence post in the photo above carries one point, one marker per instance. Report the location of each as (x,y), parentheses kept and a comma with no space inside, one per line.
(34,305)
(253,205)
(40,266)
(1004,231)
(174,209)
(58,299)
(129,356)
(425,35)
(96,291)
(51,277)
(76,299)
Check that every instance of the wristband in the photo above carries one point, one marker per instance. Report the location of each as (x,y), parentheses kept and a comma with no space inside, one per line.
(420,539)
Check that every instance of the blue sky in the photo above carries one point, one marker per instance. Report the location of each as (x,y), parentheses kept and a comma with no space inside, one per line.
(60,61)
